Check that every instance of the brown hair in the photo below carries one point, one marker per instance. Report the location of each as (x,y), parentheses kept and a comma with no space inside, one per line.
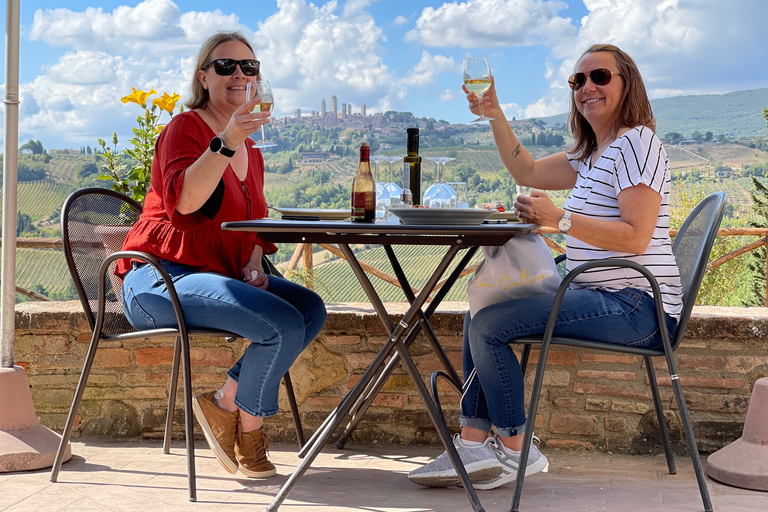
(199,97)
(634,109)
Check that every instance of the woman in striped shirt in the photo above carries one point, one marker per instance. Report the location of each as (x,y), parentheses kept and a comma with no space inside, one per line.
(618,174)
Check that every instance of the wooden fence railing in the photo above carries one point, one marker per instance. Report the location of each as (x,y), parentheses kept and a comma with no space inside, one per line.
(304,253)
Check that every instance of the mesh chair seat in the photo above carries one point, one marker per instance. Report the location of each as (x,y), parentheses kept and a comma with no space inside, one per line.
(691,248)
(94,224)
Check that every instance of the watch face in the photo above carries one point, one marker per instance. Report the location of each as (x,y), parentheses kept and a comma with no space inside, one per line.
(217,146)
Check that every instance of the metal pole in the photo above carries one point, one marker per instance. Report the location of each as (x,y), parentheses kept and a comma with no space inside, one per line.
(10,171)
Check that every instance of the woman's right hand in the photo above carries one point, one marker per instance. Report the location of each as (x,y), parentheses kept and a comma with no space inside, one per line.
(490,101)
(244,122)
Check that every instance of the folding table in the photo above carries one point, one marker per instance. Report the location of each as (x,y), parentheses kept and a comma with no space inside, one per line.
(345,233)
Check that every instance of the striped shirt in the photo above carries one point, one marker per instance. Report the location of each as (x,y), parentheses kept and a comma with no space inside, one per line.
(634,158)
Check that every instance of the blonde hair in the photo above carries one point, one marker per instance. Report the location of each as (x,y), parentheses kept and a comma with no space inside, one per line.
(634,107)
(199,97)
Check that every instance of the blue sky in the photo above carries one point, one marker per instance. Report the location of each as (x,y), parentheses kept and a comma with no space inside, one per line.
(79,57)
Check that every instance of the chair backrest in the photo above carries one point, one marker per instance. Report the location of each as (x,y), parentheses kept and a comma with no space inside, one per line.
(94,224)
(691,248)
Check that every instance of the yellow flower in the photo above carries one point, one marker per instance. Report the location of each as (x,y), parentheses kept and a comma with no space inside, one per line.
(167,102)
(139,97)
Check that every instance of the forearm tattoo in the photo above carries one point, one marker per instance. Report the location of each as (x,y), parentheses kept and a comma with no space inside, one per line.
(516,151)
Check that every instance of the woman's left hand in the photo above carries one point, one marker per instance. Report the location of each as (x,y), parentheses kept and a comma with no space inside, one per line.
(539,209)
(254,275)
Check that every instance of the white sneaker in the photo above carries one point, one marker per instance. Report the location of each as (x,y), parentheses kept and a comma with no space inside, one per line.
(480,462)
(510,462)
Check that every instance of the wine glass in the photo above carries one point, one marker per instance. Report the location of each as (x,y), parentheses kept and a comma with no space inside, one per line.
(261,89)
(439,183)
(440,198)
(477,78)
(393,188)
(382,194)
(462,196)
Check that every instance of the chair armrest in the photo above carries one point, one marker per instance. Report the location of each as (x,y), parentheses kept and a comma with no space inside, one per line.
(151,260)
(611,262)
(269,267)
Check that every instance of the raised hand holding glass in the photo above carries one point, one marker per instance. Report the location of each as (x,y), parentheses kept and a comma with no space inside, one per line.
(477,79)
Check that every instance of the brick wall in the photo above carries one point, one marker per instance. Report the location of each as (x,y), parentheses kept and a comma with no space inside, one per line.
(590,400)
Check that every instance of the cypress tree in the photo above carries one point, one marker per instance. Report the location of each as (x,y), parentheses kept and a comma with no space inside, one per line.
(757,258)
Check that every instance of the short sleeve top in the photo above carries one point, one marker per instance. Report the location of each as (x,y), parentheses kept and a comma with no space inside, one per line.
(196,239)
(635,157)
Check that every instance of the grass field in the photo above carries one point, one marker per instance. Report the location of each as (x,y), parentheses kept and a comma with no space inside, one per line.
(335,282)
(334,279)
(46,267)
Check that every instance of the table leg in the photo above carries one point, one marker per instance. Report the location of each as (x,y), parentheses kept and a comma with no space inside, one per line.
(394,342)
(440,426)
(358,411)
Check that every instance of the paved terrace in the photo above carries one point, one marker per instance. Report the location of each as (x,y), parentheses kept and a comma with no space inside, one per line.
(595,420)
(128,475)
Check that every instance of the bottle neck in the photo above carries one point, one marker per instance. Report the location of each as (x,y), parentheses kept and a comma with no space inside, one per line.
(365,153)
(413,144)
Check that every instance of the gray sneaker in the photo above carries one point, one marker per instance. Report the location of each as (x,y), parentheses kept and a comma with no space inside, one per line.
(510,463)
(480,463)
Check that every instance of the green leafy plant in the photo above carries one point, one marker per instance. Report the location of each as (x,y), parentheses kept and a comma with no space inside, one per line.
(130,168)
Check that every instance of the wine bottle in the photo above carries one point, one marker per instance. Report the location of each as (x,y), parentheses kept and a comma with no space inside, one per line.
(412,166)
(364,189)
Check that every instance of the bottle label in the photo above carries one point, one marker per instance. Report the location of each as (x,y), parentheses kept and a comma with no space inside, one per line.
(362,201)
(407,175)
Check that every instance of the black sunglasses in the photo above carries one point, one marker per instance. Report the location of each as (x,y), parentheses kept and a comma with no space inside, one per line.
(226,67)
(600,76)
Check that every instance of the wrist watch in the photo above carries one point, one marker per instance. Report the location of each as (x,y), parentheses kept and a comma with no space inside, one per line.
(217,146)
(565,223)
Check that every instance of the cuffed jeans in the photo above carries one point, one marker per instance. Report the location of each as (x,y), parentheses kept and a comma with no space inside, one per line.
(494,389)
(279,322)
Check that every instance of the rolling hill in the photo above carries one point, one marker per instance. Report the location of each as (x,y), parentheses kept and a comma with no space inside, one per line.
(734,114)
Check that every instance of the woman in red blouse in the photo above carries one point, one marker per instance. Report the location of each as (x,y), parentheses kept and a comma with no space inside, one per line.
(205,172)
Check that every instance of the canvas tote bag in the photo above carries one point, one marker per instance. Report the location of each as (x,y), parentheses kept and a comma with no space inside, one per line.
(521,267)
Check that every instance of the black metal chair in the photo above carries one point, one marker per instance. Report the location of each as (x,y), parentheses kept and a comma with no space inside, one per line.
(94,223)
(691,247)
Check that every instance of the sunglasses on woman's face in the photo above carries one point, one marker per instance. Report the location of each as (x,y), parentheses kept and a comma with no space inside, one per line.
(600,76)
(226,67)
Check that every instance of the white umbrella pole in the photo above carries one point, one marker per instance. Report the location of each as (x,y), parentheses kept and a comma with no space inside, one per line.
(10,173)
(24,444)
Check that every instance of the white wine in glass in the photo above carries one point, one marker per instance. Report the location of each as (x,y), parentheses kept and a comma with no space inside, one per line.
(261,89)
(477,79)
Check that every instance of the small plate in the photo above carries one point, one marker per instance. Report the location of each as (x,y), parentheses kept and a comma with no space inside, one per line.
(322,213)
(441,216)
(509,216)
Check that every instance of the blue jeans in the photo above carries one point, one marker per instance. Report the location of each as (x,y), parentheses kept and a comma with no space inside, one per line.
(494,389)
(279,322)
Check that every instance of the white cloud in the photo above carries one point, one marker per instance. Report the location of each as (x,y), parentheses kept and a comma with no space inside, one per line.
(313,53)
(547,106)
(425,72)
(491,23)
(399,21)
(449,95)
(309,51)
(355,6)
(125,27)
(675,44)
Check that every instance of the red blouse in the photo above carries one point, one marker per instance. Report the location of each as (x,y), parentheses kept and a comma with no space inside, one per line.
(196,239)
